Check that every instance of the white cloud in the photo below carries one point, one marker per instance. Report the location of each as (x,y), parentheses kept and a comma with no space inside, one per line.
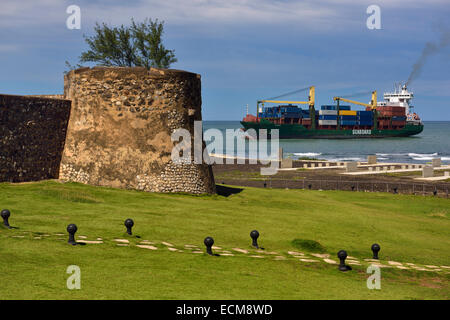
(317,15)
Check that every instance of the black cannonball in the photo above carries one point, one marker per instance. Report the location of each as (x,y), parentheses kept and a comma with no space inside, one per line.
(254,234)
(376,247)
(5,213)
(72,228)
(342,254)
(129,223)
(208,241)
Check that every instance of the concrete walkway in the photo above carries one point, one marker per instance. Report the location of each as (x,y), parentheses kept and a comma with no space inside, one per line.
(433,178)
(394,171)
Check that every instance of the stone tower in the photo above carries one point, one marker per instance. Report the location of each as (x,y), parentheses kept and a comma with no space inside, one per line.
(120,127)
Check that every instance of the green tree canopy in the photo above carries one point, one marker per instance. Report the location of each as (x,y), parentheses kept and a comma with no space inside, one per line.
(137,45)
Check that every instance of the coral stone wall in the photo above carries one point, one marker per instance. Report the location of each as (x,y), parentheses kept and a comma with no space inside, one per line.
(32,135)
(120,128)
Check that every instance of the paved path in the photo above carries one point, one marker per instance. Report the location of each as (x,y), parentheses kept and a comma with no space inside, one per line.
(248,251)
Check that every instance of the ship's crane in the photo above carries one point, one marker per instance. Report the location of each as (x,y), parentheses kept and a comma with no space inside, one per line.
(310,102)
(373,102)
(372,105)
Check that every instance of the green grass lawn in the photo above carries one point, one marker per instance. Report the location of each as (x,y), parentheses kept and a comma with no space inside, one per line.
(412,229)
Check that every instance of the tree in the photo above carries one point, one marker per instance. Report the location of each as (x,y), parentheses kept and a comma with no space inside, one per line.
(151,52)
(137,45)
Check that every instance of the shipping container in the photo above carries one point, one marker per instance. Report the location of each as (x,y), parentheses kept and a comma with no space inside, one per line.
(364,113)
(347,112)
(306,122)
(391,108)
(293,115)
(327,112)
(391,111)
(351,118)
(327,122)
(398,123)
(328,117)
(348,122)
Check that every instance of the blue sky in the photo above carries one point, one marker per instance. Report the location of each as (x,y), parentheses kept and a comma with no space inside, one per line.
(245,50)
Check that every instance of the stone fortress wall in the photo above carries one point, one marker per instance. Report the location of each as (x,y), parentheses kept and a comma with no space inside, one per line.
(119,132)
(32,136)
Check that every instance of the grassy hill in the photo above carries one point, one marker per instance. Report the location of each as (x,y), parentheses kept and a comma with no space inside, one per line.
(34,258)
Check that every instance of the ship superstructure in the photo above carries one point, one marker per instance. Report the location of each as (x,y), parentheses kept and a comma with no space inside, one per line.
(401,97)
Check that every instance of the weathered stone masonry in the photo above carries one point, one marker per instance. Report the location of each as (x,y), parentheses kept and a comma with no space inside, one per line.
(120,128)
(32,135)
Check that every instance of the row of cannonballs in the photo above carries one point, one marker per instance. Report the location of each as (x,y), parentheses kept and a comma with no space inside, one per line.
(209,241)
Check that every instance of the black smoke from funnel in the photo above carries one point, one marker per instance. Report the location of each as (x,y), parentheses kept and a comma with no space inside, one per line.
(429,49)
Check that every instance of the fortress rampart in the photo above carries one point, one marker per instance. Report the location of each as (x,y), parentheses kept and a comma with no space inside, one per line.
(32,136)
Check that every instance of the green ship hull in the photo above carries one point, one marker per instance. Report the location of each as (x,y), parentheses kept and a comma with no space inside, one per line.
(297,131)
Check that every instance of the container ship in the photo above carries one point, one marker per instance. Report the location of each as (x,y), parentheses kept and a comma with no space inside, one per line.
(392,117)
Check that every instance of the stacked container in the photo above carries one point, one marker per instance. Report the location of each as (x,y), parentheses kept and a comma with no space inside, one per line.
(347,117)
(306,121)
(327,116)
(287,112)
(392,115)
(364,118)
(391,111)
(333,107)
(399,121)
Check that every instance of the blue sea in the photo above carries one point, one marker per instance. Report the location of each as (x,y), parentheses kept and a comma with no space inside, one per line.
(433,142)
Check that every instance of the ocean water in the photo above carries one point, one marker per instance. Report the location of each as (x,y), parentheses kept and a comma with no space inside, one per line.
(433,142)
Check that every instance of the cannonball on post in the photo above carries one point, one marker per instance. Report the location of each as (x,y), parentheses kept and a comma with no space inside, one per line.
(209,243)
(375,249)
(342,255)
(129,223)
(254,235)
(72,229)
(5,215)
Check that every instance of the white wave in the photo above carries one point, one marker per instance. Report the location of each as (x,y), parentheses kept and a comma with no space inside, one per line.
(307,154)
(445,158)
(390,154)
(346,159)
(422,158)
(381,158)
(422,155)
